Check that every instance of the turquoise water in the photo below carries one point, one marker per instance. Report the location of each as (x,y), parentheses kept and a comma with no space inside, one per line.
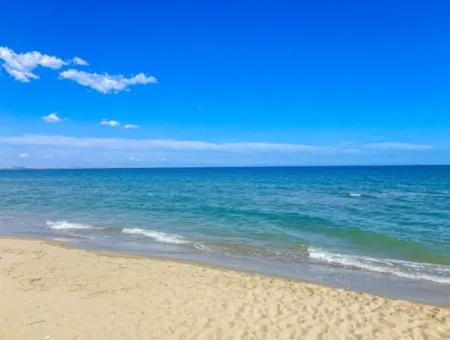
(393,222)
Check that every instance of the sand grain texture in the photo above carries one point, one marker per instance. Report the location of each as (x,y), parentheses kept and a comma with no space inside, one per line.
(53,292)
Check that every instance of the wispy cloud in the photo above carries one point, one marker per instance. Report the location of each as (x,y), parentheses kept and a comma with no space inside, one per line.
(160,144)
(106,83)
(131,126)
(194,145)
(77,151)
(24,155)
(108,122)
(352,151)
(51,118)
(20,66)
(79,61)
(398,146)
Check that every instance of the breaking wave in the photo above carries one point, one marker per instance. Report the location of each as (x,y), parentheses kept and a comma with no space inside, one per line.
(156,235)
(64,225)
(405,269)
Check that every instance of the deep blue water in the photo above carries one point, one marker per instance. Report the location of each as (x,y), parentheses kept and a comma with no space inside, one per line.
(393,222)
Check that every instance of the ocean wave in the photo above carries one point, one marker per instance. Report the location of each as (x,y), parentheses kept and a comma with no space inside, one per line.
(405,269)
(202,247)
(64,225)
(156,235)
(354,194)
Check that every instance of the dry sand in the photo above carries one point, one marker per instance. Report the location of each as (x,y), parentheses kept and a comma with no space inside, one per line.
(48,291)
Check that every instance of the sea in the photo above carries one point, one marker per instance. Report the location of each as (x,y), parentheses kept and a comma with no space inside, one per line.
(384,230)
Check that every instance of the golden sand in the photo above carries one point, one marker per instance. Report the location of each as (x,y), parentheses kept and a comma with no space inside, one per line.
(48,291)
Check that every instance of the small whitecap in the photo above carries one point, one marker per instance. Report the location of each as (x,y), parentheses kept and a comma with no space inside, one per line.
(156,235)
(65,225)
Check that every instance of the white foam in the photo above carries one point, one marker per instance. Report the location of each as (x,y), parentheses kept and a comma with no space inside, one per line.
(406,269)
(202,247)
(354,194)
(157,235)
(64,225)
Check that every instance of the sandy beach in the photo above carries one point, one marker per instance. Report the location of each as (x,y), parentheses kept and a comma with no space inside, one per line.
(50,291)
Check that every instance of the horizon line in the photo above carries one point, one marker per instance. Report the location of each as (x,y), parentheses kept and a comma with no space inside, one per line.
(227,166)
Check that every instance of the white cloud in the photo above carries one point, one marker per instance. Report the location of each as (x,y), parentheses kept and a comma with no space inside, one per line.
(51,118)
(160,144)
(106,83)
(21,65)
(193,145)
(111,123)
(24,155)
(79,61)
(398,146)
(131,126)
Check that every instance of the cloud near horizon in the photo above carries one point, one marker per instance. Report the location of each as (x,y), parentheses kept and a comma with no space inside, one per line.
(398,146)
(109,122)
(23,155)
(131,126)
(70,151)
(52,118)
(193,145)
(115,123)
(158,144)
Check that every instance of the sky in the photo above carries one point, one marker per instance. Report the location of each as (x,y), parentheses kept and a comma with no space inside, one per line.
(224,83)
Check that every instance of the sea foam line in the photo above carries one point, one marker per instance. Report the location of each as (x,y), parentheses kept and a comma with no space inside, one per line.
(405,269)
(157,235)
(64,225)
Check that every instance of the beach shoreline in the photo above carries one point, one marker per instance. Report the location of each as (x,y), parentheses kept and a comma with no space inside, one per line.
(356,228)
(53,290)
(117,253)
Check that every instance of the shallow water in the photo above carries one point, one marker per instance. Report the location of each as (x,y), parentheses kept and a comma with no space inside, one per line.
(384,230)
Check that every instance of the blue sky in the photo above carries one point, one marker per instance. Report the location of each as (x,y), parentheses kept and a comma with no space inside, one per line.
(212,83)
